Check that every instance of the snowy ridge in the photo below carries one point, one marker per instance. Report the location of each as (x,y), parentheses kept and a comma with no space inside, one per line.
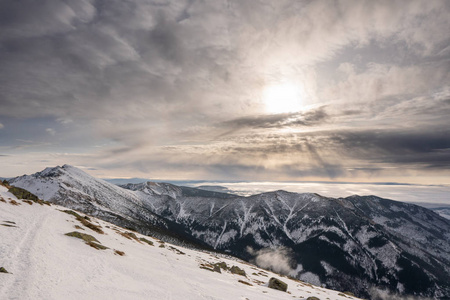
(44,263)
(71,187)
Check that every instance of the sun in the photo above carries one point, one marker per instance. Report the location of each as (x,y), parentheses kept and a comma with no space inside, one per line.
(284,97)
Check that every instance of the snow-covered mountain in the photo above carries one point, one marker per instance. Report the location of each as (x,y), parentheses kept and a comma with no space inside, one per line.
(347,243)
(71,187)
(359,244)
(47,253)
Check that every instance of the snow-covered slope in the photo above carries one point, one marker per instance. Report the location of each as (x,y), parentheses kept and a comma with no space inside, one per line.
(71,187)
(44,263)
(354,243)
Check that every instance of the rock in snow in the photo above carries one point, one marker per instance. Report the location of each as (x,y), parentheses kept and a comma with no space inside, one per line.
(277,284)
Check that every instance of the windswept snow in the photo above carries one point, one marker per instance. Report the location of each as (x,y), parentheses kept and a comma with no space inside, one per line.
(45,264)
(367,240)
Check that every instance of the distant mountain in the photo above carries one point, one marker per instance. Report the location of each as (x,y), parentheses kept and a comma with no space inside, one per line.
(443,211)
(359,243)
(118,181)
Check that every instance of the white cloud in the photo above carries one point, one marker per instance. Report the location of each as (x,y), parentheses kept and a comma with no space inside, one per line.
(50,131)
(279,260)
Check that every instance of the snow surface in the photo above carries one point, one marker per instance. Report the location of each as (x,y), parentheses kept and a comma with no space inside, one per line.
(45,264)
(349,224)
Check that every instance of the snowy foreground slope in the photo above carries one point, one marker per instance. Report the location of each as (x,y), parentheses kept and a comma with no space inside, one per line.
(44,263)
(362,244)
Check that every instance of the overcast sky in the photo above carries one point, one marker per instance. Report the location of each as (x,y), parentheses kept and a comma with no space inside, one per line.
(227,90)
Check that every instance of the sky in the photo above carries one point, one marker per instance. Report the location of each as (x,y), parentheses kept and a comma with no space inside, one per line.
(355,91)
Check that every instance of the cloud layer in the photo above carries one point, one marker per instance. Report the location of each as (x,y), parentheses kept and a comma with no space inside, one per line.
(175,88)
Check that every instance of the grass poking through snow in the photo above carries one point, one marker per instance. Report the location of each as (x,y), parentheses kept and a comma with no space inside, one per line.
(89,239)
(85,221)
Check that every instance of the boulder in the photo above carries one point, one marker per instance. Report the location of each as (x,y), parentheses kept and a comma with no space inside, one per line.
(237,270)
(277,284)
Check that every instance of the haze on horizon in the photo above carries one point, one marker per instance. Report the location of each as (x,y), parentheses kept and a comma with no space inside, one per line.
(355,91)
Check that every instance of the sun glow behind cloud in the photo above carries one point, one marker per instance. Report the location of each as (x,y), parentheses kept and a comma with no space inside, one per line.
(283,97)
(285,90)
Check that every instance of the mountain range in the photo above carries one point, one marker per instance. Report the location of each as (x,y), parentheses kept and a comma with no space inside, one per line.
(363,244)
(50,252)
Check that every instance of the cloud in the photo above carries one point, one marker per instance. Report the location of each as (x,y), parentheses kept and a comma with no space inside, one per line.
(29,19)
(378,81)
(379,294)
(2,126)
(50,131)
(308,118)
(279,260)
(430,149)
(173,57)
(178,84)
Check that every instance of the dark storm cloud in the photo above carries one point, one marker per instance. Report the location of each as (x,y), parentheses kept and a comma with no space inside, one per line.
(309,118)
(430,149)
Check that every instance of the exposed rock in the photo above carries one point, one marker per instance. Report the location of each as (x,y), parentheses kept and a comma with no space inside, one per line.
(237,270)
(222,265)
(277,284)
(217,269)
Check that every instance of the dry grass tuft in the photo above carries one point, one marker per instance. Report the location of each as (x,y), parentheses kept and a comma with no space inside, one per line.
(28,201)
(245,282)
(177,251)
(85,237)
(118,252)
(146,241)
(89,239)
(206,268)
(85,221)
(97,246)
(8,225)
(129,235)
(14,202)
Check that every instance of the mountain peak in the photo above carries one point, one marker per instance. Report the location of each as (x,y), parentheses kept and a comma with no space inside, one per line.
(49,172)
(61,170)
